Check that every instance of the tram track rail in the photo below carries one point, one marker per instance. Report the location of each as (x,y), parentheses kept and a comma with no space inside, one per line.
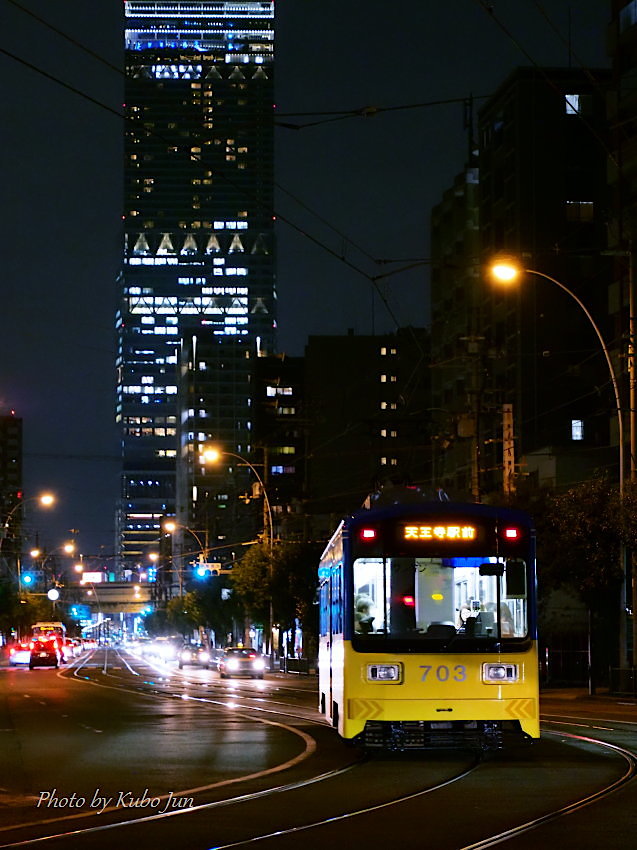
(492,840)
(497,838)
(588,800)
(91,830)
(226,701)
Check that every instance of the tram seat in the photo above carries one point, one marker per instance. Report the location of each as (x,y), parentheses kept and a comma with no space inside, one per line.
(444,630)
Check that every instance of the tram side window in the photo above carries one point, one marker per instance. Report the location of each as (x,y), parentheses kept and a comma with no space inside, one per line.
(337,600)
(324,610)
(369,595)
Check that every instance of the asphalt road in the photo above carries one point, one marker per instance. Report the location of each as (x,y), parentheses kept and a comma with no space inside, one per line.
(118,749)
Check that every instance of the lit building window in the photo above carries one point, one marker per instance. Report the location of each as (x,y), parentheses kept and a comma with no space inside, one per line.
(580,210)
(577,429)
(571,104)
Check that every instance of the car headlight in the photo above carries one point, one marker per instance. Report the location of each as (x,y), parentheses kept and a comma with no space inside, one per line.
(258,664)
(233,664)
(497,673)
(204,656)
(185,656)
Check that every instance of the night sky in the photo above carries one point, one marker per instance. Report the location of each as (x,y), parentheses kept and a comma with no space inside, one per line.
(362,187)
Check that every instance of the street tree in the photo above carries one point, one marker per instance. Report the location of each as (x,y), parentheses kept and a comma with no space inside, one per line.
(251,580)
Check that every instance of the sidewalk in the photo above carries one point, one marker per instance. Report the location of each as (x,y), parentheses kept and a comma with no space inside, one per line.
(601,694)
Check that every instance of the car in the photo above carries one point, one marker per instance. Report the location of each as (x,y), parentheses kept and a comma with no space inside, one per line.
(162,649)
(45,653)
(72,648)
(67,650)
(241,661)
(194,654)
(20,653)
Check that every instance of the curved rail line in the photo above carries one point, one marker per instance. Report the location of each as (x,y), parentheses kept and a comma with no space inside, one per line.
(308,740)
(490,841)
(227,701)
(78,833)
(631,770)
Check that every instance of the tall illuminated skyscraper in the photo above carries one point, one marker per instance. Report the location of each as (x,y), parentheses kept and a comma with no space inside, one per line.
(199,245)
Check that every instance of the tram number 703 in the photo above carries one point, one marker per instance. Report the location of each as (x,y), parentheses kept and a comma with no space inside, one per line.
(443,673)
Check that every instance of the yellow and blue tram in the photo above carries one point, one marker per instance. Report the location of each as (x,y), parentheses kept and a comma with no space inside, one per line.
(428,633)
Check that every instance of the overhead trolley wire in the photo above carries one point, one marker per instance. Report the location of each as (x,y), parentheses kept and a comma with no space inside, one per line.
(198,159)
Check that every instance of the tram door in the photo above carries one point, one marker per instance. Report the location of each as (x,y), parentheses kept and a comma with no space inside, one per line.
(329,615)
(330,646)
(335,638)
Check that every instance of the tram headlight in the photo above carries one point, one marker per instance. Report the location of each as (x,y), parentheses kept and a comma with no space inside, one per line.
(496,673)
(384,673)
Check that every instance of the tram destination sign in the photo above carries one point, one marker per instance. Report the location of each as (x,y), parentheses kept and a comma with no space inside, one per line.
(455,532)
(437,537)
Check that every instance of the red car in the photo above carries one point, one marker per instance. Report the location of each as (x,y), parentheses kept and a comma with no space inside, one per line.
(20,653)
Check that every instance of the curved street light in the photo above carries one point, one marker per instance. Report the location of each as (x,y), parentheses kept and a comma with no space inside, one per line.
(171,526)
(506,270)
(46,500)
(211,454)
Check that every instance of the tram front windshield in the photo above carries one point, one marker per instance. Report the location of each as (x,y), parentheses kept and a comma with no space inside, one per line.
(441,598)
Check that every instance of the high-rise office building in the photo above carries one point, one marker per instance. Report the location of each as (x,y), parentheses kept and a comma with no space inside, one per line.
(198,226)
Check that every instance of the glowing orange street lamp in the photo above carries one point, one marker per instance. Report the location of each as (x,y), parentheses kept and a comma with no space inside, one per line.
(507,270)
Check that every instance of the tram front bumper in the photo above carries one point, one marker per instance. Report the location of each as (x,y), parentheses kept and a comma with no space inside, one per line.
(521,710)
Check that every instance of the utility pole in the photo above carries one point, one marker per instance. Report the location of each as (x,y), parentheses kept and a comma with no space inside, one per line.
(508,451)
(632,406)
(474,352)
